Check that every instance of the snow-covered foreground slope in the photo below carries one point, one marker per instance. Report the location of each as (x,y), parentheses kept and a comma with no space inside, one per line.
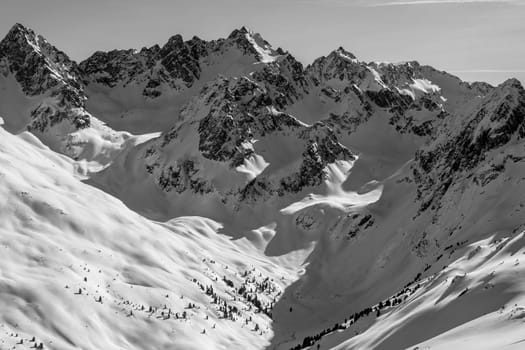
(475,302)
(80,270)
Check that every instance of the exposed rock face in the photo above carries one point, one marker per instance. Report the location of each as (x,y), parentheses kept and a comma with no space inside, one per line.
(37,65)
(459,147)
(229,116)
(402,90)
(41,69)
(285,79)
(53,99)
(177,65)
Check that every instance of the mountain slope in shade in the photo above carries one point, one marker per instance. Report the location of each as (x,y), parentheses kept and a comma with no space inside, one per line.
(344,204)
(425,228)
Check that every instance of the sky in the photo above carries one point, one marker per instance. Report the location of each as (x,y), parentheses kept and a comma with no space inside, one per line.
(474,39)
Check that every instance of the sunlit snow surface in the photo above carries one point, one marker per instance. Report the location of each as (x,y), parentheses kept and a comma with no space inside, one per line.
(419,87)
(265,52)
(254,165)
(336,197)
(65,244)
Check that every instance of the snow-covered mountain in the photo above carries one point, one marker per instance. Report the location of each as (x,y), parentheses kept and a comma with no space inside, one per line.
(219,194)
(41,91)
(125,85)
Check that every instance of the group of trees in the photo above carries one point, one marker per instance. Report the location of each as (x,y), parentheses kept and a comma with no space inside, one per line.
(252,298)
(392,301)
(36,345)
(311,340)
(251,286)
(227,311)
(248,291)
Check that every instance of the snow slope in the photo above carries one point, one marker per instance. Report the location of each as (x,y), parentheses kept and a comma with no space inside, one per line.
(65,245)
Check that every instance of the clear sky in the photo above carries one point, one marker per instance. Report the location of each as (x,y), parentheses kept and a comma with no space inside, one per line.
(474,39)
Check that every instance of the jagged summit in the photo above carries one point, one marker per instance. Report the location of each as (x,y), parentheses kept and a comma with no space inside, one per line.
(179,65)
(47,97)
(345,54)
(239,32)
(173,42)
(18,38)
(512,83)
(19,29)
(411,63)
(253,43)
(37,65)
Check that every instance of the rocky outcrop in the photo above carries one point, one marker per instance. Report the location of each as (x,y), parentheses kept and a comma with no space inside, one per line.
(51,99)
(177,65)
(227,118)
(461,146)
(43,70)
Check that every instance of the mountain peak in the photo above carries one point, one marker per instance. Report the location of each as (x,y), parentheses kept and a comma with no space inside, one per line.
(175,39)
(37,65)
(345,54)
(253,43)
(173,42)
(512,83)
(18,31)
(239,32)
(20,28)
